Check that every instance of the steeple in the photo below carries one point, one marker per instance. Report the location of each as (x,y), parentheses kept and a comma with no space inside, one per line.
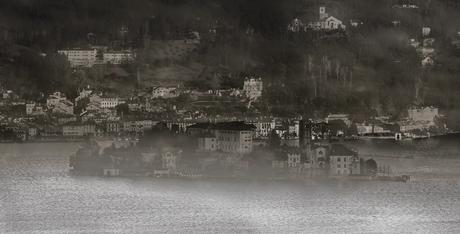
(322,13)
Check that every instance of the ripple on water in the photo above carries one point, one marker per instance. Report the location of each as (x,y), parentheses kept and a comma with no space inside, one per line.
(38,195)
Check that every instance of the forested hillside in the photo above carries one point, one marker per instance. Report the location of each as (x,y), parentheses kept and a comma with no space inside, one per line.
(367,69)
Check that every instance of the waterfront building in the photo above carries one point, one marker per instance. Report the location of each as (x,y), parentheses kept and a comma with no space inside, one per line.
(364,128)
(138,126)
(232,137)
(78,129)
(112,127)
(235,137)
(207,143)
(343,161)
(264,127)
(428,114)
(294,159)
(343,117)
(169,158)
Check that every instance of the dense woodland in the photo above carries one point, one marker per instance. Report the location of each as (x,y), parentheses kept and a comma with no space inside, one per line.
(367,70)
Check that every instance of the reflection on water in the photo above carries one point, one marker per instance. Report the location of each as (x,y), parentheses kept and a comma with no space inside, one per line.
(38,195)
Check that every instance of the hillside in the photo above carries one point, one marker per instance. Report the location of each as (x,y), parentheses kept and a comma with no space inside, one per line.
(370,68)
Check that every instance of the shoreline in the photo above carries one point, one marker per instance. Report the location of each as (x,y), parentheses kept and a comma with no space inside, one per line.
(393,178)
(76,140)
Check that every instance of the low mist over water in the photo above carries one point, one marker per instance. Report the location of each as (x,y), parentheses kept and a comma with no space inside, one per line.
(39,195)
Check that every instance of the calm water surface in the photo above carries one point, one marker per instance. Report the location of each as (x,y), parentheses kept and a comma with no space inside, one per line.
(37,195)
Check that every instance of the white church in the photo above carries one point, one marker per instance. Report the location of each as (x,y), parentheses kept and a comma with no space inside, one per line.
(326,22)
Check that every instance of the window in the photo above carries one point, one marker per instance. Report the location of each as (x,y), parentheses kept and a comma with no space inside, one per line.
(338,159)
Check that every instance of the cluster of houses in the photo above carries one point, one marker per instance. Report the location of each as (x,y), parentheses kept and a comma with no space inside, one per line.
(252,90)
(99,116)
(222,149)
(94,113)
(425,47)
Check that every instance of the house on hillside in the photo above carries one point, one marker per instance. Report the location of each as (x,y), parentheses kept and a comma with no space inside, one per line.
(80,57)
(253,88)
(59,104)
(119,57)
(326,22)
(428,61)
(165,92)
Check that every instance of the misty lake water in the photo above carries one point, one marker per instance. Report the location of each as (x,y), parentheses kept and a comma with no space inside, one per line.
(37,195)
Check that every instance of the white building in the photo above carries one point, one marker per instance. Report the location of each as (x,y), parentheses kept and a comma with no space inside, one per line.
(138,126)
(343,161)
(253,88)
(426,31)
(296,26)
(343,117)
(109,103)
(34,109)
(97,103)
(78,130)
(428,61)
(235,140)
(425,114)
(80,57)
(370,129)
(165,92)
(232,137)
(119,57)
(326,22)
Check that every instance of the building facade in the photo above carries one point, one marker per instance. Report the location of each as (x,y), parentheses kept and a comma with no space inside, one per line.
(343,161)
(428,114)
(232,137)
(109,103)
(165,92)
(253,88)
(58,104)
(80,57)
(207,143)
(118,57)
(326,22)
(79,130)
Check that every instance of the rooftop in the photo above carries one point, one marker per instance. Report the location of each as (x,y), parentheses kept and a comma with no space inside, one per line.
(341,150)
(231,126)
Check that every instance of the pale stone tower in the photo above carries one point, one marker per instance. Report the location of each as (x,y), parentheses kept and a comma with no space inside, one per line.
(322,13)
